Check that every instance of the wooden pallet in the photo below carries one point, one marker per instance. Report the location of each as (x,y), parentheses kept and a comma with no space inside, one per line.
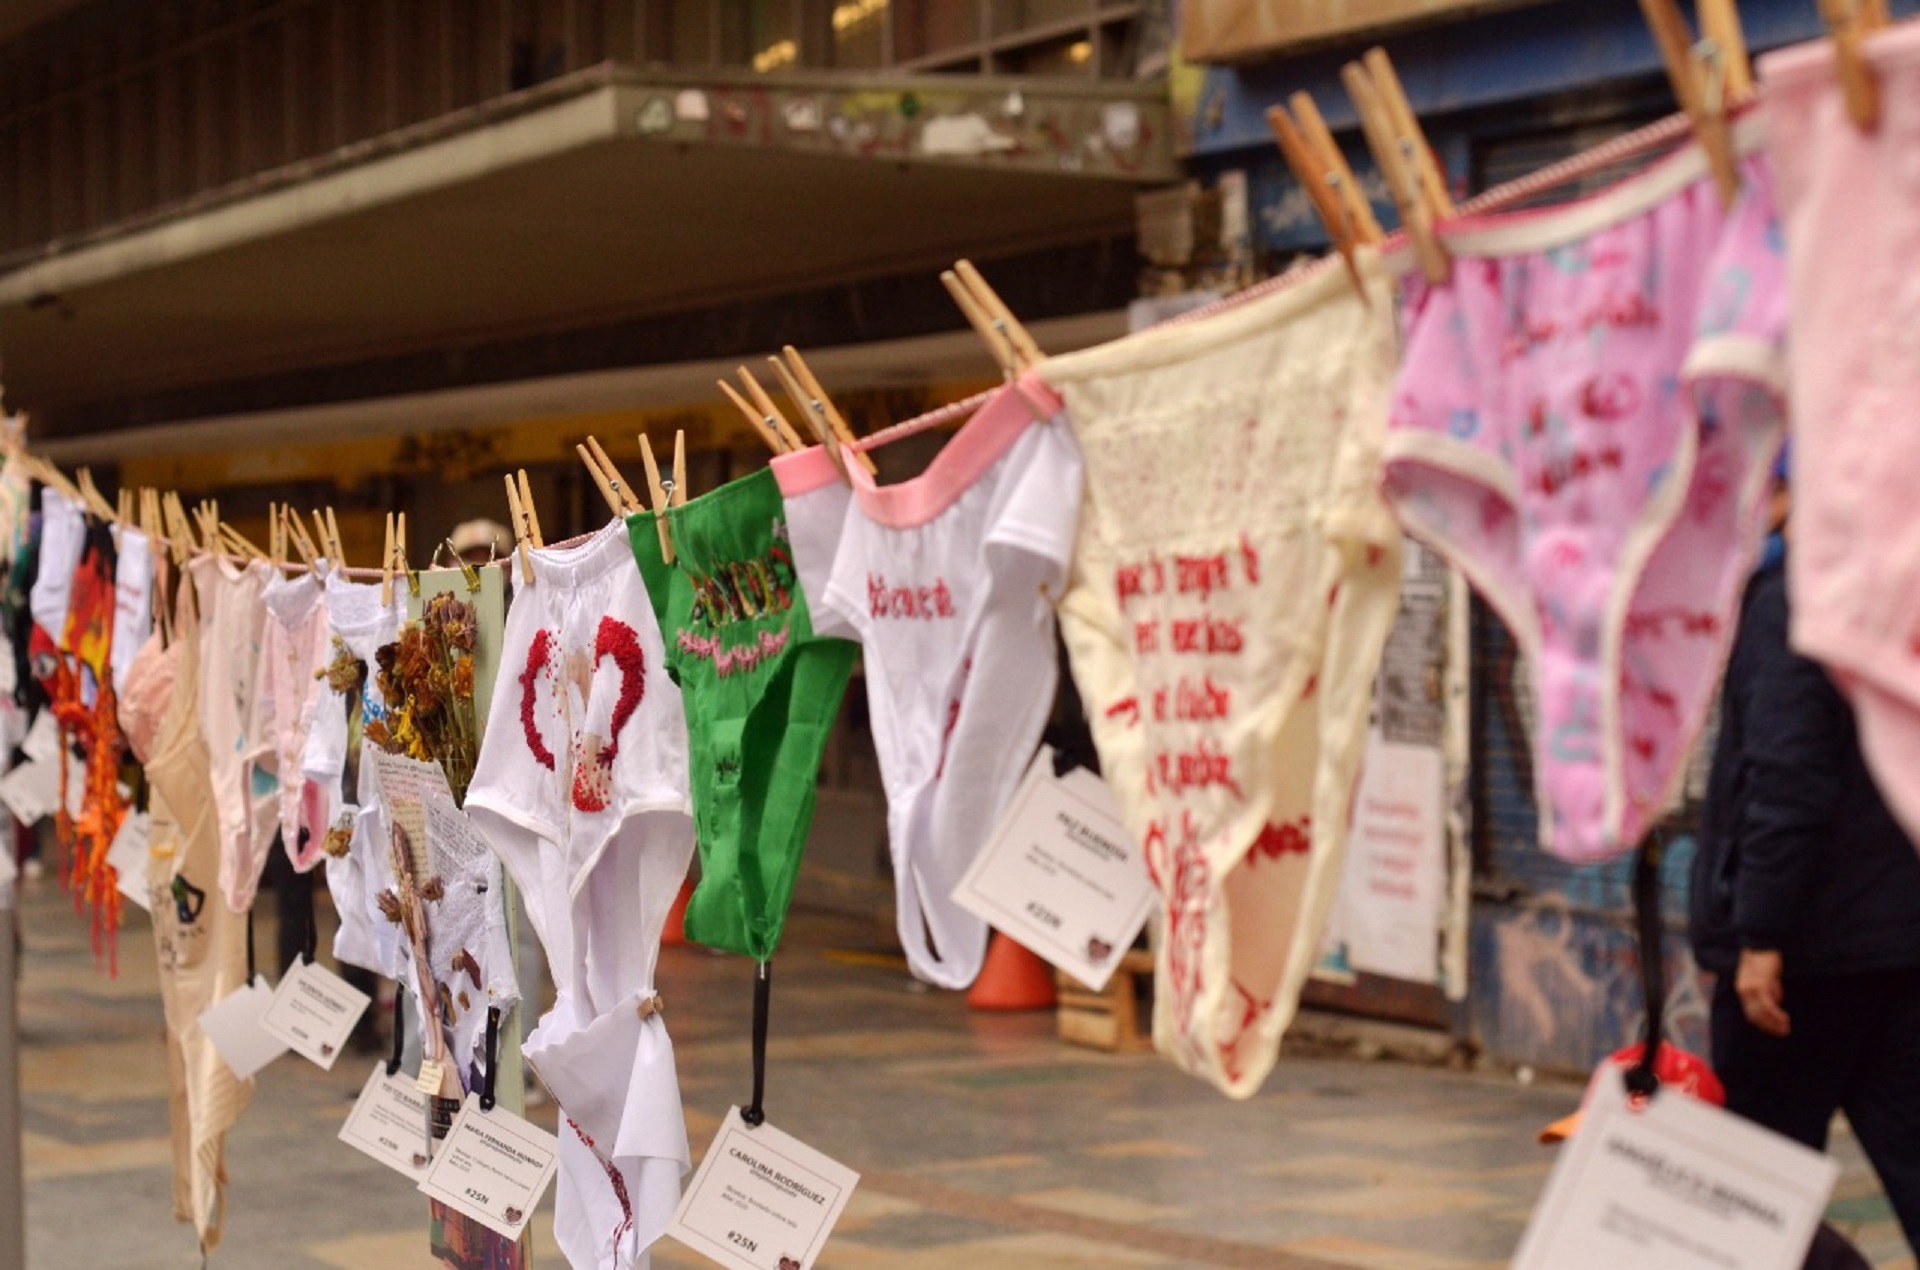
(1110,1019)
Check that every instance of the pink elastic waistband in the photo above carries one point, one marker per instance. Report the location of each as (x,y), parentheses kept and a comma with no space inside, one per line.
(803,471)
(980,441)
(1496,234)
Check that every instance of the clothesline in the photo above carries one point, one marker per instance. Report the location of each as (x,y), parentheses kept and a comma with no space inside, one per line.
(1663,132)
(939,416)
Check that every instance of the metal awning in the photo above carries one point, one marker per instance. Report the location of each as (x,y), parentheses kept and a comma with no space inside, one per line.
(606,196)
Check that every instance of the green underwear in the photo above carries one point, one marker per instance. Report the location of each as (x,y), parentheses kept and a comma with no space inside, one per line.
(760,692)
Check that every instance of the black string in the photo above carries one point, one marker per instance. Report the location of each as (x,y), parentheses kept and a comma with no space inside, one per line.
(310,945)
(493,1055)
(399,1031)
(250,967)
(1653,971)
(755,1113)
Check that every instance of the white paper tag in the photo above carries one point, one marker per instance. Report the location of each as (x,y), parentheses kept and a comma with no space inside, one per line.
(432,1076)
(493,1167)
(1061,874)
(313,1011)
(128,856)
(762,1199)
(42,743)
(31,791)
(1674,1186)
(389,1123)
(233,1025)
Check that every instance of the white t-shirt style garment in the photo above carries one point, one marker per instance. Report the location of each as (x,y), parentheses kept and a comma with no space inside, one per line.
(581,788)
(949,582)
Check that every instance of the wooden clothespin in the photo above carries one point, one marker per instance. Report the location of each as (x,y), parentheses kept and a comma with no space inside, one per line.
(1720,24)
(520,532)
(333,536)
(599,479)
(814,398)
(679,490)
(386,567)
(1406,128)
(1316,161)
(207,517)
(762,424)
(1340,175)
(1405,159)
(48,474)
(123,506)
(1005,355)
(534,536)
(1703,76)
(657,495)
(629,502)
(763,402)
(179,529)
(620,499)
(1849,22)
(321,540)
(400,554)
(816,421)
(1026,352)
(296,533)
(90,494)
(239,542)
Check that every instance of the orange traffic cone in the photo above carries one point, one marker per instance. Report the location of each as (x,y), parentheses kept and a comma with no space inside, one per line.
(1013,978)
(675,934)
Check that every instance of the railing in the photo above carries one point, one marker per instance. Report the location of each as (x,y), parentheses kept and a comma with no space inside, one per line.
(125,106)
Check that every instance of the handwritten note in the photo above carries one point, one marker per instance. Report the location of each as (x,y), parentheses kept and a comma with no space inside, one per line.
(406,787)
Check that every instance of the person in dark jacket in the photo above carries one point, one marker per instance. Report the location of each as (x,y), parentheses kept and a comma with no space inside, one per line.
(1806,905)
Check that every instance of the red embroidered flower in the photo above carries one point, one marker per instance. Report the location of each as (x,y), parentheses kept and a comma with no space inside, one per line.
(539,653)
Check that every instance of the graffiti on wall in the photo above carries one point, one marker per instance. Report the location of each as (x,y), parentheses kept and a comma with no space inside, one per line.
(1555,965)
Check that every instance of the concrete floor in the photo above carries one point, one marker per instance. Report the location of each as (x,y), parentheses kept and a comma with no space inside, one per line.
(980,1139)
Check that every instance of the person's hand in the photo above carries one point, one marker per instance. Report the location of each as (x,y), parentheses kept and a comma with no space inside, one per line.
(1758,986)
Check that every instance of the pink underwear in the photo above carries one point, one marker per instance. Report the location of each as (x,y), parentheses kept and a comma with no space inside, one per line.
(1583,426)
(1850,203)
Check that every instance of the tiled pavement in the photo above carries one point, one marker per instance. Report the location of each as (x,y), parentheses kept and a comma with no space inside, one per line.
(981,1141)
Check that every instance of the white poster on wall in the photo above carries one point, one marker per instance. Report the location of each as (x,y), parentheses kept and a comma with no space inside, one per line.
(1393,888)
(1402,906)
